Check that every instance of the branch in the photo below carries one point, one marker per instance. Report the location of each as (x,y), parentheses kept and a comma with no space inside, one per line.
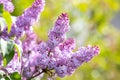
(35,75)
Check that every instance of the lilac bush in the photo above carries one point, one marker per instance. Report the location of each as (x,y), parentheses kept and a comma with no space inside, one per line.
(55,57)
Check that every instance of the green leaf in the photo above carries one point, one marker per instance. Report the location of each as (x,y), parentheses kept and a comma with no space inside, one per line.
(6,15)
(1,8)
(15,76)
(0,76)
(7,78)
(19,50)
(7,50)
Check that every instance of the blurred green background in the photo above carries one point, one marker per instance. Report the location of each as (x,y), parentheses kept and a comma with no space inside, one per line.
(95,22)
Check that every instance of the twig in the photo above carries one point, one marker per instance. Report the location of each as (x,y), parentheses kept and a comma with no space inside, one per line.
(35,75)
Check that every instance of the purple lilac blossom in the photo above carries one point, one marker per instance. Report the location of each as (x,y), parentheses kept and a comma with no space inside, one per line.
(28,70)
(26,20)
(40,54)
(5,35)
(39,59)
(21,25)
(30,42)
(55,54)
(57,34)
(68,65)
(7,5)
(30,15)
(84,54)
(61,57)
(68,45)
(61,70)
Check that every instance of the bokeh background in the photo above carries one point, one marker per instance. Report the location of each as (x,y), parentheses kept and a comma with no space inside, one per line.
(95,22)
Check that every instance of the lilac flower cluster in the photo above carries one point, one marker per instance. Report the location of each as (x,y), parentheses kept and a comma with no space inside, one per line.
(7,5)
(57,34)
(25,21)
(53,57)
(57,53)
